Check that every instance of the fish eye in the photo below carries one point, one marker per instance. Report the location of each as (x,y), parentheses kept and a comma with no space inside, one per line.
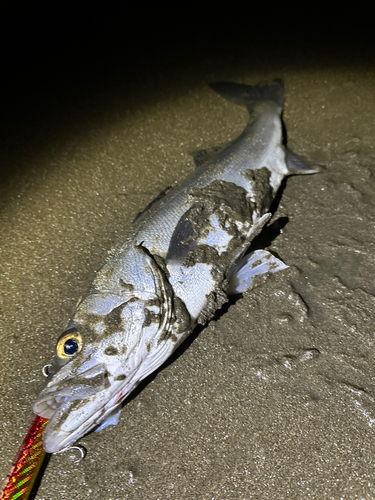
(69,344)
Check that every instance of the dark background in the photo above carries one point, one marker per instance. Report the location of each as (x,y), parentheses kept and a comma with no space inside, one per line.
(56,47)
(55,56)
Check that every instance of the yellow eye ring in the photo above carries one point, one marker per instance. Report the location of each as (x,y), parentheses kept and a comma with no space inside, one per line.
(69,345)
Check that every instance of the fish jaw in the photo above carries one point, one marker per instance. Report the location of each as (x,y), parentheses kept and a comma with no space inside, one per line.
(72,417)
(70,422)
(75,403)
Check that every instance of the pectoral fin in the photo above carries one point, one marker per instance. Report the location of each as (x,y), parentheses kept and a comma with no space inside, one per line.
(182,241)
(242,275)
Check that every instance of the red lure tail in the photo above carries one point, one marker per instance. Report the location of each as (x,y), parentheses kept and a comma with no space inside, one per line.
(28,466)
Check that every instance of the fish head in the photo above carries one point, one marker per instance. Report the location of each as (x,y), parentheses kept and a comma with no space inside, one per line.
(107,348)
(89,378)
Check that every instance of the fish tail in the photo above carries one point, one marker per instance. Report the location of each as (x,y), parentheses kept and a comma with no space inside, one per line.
(249,95)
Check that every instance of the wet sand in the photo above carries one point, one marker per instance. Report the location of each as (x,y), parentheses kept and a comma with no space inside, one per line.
(274,398)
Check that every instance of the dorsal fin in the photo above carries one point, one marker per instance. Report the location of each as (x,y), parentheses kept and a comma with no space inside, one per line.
(203,156)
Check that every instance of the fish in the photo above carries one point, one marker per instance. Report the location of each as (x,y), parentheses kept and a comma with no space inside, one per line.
(176,266)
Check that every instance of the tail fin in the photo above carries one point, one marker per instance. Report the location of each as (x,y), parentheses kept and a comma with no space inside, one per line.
(247,95)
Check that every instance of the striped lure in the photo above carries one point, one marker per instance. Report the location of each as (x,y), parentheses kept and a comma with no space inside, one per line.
(30,462)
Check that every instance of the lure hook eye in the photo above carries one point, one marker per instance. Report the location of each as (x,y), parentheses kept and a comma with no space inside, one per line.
(69,345)
(45,370)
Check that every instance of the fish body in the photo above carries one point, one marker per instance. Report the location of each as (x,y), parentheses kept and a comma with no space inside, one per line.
(174,269)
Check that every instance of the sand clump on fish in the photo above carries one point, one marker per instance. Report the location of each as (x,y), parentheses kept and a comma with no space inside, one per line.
(184,255)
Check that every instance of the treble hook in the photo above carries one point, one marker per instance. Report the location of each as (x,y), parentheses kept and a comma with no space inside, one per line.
(80,447)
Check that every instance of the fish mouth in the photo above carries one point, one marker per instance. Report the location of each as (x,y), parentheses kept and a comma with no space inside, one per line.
(72,407)
(62,432)
(70,418)
(75,411)
(59,392)
(49,404)
(47,407)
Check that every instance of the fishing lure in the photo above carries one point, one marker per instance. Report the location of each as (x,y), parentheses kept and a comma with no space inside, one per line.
(29,464)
